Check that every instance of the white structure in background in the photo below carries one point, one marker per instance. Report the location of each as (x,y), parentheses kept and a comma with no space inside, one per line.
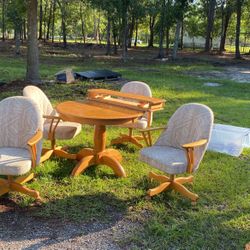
(199,42)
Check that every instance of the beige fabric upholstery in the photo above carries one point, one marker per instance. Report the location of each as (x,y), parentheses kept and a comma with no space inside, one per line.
(167,159)
(14,161)
(20,119)
(40,98)
(139,88)
(64,130)
(191,122)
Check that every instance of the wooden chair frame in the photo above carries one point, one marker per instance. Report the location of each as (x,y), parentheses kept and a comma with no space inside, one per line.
(171,182)
(54,150)
(12,184)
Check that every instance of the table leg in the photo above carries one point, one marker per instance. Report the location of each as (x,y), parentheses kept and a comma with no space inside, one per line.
(99,155)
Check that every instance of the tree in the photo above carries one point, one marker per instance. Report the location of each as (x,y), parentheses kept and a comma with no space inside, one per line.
(32,74)
(239,4)
(210,24)
(15,14)
(3,19)
(226,13)
(180,7)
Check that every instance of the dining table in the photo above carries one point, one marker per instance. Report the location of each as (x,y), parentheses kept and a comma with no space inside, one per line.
(101,110)
(100,115)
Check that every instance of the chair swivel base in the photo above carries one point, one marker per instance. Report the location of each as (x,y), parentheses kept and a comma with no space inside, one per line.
(57,151)
(123,138)
(16,185)
(172,183)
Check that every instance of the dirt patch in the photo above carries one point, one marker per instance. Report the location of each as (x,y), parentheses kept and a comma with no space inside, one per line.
(237,74)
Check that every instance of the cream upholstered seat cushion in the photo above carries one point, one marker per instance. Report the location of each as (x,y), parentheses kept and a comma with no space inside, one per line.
(191,122)
(138,88)
(168,159)
(14,161)
(64,130)
(141,123)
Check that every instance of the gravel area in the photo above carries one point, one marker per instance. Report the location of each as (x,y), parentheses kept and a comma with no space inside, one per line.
(21,231)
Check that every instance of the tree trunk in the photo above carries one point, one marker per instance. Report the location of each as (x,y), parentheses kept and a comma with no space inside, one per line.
(125,32)
(3,20)
(32,74)
(131,31)
(82,25)
(40,20)
(237,35)
(49,21)
(182,34)
(44,20)
(151,31)
(64,32)
(17,41)
(24,30)
(114,37)
(210,25)
(225,24)
(176,39)
(162,24)
(53,21)
(108,51)
(167,40)
(136,33)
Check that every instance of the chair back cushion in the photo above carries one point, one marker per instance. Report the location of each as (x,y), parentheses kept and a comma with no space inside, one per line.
(38,96)
(20,119)
(138,88)
(191,122)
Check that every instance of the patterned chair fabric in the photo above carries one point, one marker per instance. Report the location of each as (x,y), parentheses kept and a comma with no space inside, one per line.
(139,88)
(191,122)
(20,119)
(64,130)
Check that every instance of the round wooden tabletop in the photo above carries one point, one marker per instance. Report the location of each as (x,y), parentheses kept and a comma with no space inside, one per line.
(94,113)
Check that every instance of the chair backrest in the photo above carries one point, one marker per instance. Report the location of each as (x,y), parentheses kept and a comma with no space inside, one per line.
(20,119)
(190,122)
(138,88)
(38,96)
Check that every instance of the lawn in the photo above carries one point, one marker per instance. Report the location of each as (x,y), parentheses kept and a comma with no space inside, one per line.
(221,218)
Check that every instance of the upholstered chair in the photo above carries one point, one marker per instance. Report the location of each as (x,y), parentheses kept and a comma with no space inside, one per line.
(139,88)
(180,148)
(53,127)
(20,144)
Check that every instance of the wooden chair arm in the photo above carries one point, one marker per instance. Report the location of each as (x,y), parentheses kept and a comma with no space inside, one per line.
(195,144)
(32,146)
(51,117)
(190,152)
(52,128)
(146,133)
(152,129)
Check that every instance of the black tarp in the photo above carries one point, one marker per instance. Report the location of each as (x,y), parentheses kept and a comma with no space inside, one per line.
(97,75)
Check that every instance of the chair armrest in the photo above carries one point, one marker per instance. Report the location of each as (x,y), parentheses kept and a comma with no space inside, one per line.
(190,152)
(146,133)
(195,144)
(32,146)
(35,139)
(51,117)
(152,129)
(52,127)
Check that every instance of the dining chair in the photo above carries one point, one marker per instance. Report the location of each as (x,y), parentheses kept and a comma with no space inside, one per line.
(139,88)
(53,127)
(180,148)
(20,144)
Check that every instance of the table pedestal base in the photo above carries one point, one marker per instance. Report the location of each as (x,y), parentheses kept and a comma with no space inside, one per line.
(109,157)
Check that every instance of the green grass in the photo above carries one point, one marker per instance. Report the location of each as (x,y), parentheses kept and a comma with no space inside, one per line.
(220,220)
